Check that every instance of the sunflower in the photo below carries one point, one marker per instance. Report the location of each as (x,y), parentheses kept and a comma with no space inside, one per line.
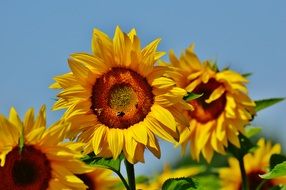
(32,156)
(98,179)
(157,182)
(222,110)
(256,163)
(117,100)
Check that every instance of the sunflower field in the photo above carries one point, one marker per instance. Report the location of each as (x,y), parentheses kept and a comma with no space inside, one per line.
(118,101)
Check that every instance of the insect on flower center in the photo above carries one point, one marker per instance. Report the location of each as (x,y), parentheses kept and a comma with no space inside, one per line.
(121,98)
(204,111)
(28,169)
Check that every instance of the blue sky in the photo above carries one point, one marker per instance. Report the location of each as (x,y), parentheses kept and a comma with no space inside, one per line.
(36,39)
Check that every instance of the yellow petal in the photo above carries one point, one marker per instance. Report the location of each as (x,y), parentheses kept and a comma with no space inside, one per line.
(216,94)
(156,127)
(81,72)
(153,144)
(164,116)
(119,46)
(98,136)
(95,64)
(115,141)
(139,132)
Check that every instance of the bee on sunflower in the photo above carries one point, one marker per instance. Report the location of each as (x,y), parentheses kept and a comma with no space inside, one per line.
(117,99)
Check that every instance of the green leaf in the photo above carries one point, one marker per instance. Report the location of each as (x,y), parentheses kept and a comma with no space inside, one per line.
(183,183)
(251,131)
(278,187)
(246,146)
(205,181)
(262,104)
(278,171)
(191,96)
(108,163)
(276,159)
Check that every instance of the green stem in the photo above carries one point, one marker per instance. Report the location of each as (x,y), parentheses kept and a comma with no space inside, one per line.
(123,180)
(259,187)
(243,173)
(130,174)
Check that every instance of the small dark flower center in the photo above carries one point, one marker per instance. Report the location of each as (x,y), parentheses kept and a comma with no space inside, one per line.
(204,111)
(254,181)
(121,98)
(87,181)
(25,170)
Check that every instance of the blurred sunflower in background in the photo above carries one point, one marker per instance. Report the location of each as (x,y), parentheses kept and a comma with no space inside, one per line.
(256,163)
(156,182)
(222,110)
(33,157)
(117,99)
(98,179)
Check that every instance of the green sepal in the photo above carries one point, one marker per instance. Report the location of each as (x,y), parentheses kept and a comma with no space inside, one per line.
(265,103)
(279,170)
(21,142)
(246,75)
(191,96)
(142,179)
(183,183)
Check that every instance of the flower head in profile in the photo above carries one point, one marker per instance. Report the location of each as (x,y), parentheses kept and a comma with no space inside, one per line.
(98,179)
(222,110)
(157,182)
(256,163)
(117,100)
(33,157)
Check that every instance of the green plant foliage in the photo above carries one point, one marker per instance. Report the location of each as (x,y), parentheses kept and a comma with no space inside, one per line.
(210,181)
(251,131)
(191,96)
(276,159)
(278,171)
(278,187)
(179,184)
(108,163)
(265,103)
(141,179)
(246,146)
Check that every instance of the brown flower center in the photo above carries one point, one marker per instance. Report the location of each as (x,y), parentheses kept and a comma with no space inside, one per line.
(25,170)
(204,111)
(121,98)
(87,181)
(254,181)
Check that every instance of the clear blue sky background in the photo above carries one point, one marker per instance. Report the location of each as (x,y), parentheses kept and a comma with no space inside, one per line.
(36,38)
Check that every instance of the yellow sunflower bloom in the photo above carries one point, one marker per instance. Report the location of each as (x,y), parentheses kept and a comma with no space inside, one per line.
(256,163)
(167,173)
(98,179)
(220,113)
(33,157)
(117,99)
